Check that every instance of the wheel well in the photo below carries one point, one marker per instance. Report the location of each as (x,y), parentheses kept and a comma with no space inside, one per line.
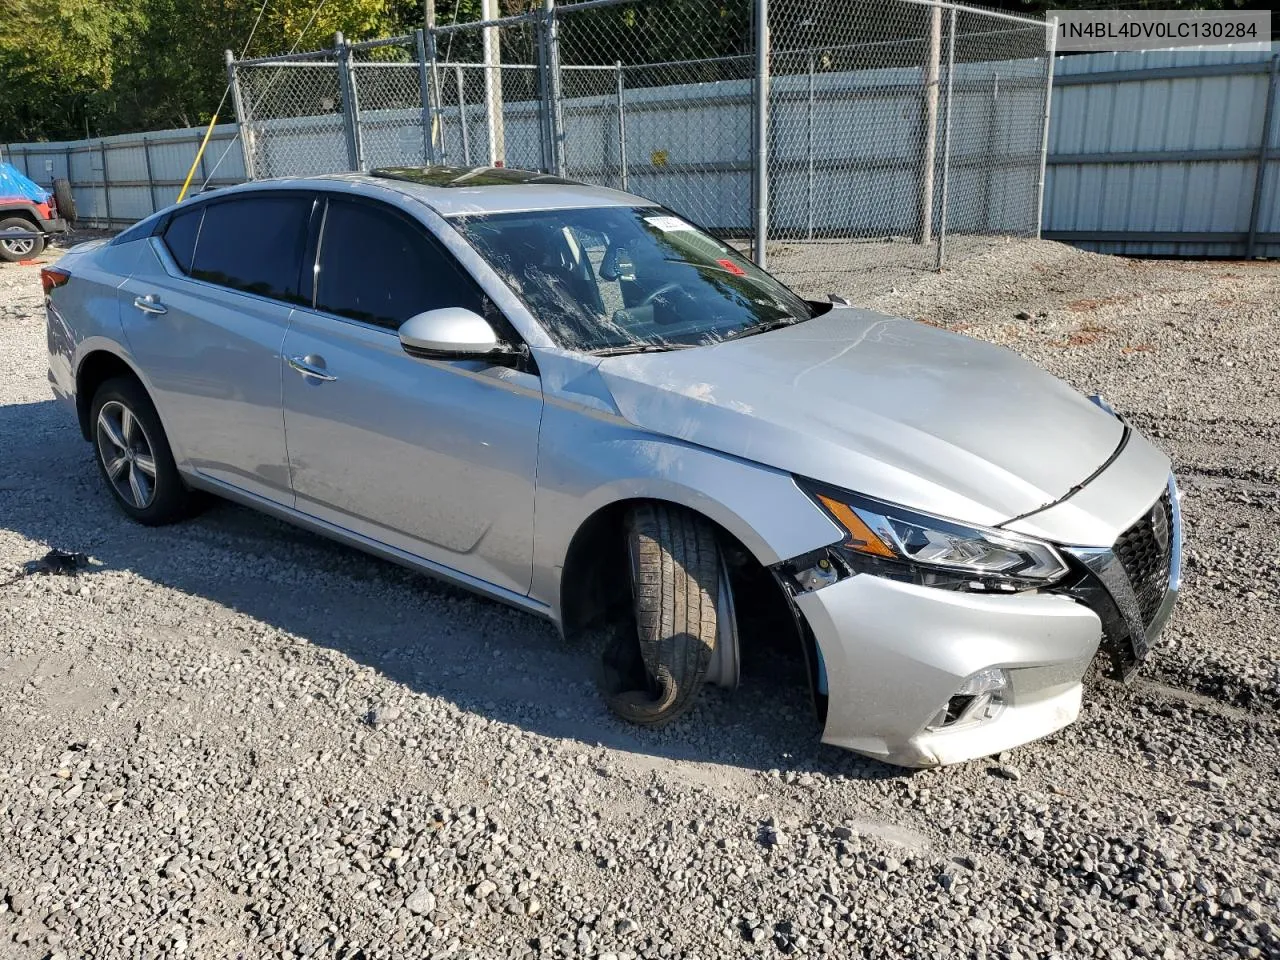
(593,587)
(21,213)
(95,370)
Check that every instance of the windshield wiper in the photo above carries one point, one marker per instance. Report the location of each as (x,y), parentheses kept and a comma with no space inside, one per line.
(764,326)
(639,348)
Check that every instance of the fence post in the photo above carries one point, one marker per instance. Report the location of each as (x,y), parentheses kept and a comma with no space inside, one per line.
(1264,154)
(493,100)
(809,134)
(544,93)
(204,175)
(924,233)
(424,97)
(437,106)
(553,66)
(350,109)
(946,141)
(1044,133)
(622,128)
(243,123)
(463,122)
(106,181)
(760,241)
(151,180)
(993,118)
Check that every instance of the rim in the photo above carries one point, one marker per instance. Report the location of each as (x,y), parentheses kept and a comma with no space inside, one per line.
(127,455)
(17,247)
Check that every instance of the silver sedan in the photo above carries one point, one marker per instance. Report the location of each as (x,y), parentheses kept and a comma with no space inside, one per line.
(578,403)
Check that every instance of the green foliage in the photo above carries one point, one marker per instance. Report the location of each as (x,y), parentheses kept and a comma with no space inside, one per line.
(54,54)
(73,68)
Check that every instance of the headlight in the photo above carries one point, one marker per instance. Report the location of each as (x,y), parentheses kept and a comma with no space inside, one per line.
(895,542)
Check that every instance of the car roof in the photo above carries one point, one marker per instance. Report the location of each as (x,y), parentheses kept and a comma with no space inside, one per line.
(452,191)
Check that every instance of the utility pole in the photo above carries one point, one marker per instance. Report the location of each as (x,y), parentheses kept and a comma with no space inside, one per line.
(429,13)
(493,85)
(929,145)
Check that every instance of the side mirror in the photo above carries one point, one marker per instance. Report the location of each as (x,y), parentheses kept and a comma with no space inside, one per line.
(450,333)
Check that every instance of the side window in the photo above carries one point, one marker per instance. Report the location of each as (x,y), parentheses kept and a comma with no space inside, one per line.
(254,243)
(378,267)
(180,236)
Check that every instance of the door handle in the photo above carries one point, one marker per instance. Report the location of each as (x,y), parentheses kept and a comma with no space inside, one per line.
(307,369)
(150,304)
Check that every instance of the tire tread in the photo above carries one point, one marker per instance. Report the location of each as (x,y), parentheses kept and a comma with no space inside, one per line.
(676,591)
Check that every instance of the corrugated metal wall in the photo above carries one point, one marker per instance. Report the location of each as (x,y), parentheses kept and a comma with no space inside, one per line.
(1159,153)
(119,180)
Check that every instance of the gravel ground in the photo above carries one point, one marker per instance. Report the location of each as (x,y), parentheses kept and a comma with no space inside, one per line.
(233,739)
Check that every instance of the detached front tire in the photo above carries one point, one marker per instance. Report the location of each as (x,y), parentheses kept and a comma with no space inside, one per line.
(133,454)
(654,668)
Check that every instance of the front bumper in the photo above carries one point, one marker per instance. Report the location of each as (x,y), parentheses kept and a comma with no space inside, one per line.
(894,653)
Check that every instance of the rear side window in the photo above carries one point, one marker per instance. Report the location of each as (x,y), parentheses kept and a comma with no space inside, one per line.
(254,244)
(377,267)
(180,236)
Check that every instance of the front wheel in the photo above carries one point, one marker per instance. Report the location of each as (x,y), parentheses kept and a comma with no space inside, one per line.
(654,668)
(133,454)
(16,249)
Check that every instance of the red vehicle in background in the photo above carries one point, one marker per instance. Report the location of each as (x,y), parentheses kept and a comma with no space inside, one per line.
(29,213)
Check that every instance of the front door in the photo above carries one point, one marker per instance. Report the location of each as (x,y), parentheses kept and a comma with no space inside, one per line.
(434,458)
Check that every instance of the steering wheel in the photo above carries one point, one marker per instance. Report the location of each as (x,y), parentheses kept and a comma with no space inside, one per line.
(665,288)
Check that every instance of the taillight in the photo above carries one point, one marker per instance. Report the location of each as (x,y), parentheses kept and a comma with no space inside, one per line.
(51,277)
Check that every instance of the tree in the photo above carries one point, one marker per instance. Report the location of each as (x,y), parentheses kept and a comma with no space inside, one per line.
(55,55)
(96,67)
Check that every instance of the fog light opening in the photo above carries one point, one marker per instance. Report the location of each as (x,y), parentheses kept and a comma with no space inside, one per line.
(979,699)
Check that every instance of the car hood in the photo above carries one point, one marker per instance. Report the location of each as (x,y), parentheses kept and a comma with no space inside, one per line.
(887,407)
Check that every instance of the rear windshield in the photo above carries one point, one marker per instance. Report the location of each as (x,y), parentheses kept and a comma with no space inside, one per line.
(606,278)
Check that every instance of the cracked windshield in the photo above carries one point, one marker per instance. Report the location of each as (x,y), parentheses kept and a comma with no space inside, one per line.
(612,280)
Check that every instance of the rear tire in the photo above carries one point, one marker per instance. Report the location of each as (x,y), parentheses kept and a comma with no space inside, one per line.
(654,668)
(14,250)
(134,457)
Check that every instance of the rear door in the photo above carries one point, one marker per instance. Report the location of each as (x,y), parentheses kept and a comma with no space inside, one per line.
(205,315)
(435,458)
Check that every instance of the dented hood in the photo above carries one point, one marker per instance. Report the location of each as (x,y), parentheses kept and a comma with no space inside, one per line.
(887,407)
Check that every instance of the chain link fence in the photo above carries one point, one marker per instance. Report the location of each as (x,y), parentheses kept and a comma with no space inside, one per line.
(388,88)
(291,115)
(493,96)
(846,137)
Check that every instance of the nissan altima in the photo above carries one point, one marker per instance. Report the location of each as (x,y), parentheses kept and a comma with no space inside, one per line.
(575,401)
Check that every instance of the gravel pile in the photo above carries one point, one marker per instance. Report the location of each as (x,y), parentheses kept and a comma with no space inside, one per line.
(234,739)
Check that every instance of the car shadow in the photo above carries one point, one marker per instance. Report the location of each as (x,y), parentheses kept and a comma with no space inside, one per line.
(429,636)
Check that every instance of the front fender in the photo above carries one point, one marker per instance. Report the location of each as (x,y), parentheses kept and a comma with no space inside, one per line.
(588,462)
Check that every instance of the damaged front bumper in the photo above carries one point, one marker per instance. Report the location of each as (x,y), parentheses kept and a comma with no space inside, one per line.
(894,654)
(904,667)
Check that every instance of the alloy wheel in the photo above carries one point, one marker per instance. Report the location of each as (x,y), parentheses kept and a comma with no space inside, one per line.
(18,247)
(127,454)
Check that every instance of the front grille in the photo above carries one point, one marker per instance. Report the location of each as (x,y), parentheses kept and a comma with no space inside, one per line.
(1144,550)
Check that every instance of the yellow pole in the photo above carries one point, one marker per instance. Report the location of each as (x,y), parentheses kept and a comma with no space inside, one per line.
(196,162)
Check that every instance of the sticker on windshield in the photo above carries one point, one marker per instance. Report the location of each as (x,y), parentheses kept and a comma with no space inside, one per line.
(668,224)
